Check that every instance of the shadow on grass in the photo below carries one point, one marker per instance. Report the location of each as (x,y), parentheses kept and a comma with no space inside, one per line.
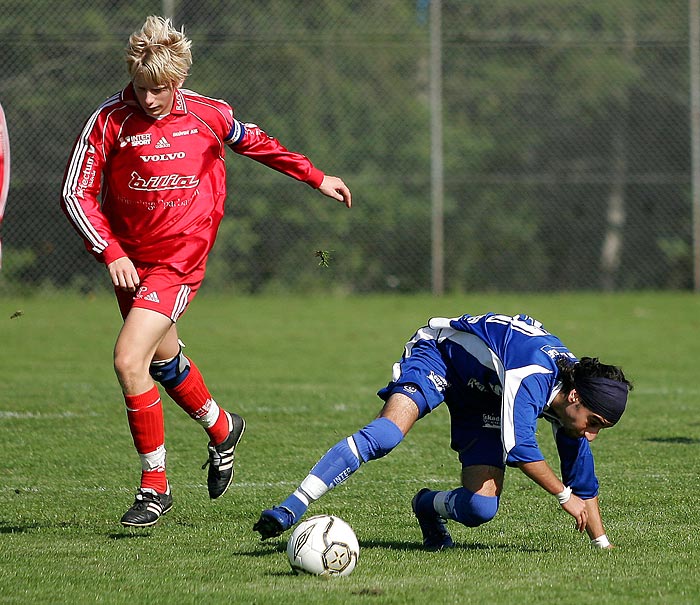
(266,549)
(130,534)
(676,440)
(9,528)
(16,528)
(417,546)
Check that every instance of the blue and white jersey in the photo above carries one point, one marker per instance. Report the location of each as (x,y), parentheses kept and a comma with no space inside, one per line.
(505,367)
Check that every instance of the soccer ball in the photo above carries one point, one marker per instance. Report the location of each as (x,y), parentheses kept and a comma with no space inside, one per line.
(323,545)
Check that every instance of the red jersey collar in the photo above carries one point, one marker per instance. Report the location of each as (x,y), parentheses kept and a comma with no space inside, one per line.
(179,105)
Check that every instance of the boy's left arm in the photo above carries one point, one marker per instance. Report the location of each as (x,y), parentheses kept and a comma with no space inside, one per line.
(594,527)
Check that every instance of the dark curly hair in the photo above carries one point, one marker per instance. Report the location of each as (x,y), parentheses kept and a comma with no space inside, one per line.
(588,367)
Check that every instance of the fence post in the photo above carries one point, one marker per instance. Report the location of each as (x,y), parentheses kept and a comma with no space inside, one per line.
(437,186)
(169,9)
(694,51)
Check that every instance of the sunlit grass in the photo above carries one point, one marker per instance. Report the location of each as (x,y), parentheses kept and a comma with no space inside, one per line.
(303,372)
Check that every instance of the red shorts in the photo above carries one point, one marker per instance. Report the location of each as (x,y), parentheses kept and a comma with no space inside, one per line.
(163,290)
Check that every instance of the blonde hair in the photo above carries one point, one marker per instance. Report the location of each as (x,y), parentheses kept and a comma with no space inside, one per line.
(159,53)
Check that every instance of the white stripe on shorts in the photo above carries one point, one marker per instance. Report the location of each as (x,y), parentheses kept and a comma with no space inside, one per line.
(180,302)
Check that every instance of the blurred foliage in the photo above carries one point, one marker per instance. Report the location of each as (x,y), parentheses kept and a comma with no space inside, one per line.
(549,106)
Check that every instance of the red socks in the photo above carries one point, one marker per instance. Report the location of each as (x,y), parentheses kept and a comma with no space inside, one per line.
(145,415)
(193,396)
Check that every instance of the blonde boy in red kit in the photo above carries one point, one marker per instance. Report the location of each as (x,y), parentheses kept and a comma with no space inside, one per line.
(145,188)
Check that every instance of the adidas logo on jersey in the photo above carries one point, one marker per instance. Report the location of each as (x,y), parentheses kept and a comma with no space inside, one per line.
(153,297)
(162,143)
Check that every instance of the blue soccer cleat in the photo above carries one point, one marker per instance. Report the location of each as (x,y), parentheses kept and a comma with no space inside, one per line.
(432,525)
(273,522)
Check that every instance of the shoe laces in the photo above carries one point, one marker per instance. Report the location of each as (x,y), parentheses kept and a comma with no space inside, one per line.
(214,458)
(144,496)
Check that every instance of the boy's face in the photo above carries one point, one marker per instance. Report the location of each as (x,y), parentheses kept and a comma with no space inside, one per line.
(578,420)
(155,100)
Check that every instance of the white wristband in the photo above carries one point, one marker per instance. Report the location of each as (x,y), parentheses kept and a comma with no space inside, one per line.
(601,541)
(564,496)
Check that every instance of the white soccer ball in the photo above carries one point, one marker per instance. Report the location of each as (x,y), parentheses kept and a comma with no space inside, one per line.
(323,545)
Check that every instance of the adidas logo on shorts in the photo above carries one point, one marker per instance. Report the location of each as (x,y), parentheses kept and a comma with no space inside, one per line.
(153,297)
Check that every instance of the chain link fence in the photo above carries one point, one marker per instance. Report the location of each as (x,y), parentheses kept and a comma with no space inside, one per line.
(563,161)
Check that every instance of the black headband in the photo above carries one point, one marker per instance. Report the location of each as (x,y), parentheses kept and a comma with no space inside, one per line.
(603,396)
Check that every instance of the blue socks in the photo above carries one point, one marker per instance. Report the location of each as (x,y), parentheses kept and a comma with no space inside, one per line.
(375,440)
(462,506)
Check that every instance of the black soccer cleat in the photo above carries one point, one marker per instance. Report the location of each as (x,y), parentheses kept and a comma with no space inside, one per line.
(147,508)
(221,459)
(273,522)
(432,525)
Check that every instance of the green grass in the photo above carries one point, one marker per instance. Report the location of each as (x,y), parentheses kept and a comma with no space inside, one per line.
(303,372)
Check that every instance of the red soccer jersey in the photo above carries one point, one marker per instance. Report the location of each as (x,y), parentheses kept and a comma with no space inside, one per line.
(154,189)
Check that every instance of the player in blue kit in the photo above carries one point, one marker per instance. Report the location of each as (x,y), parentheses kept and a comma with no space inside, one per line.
(497,374)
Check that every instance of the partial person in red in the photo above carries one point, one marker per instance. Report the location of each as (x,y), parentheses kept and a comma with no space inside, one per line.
(4,169)
(145,187)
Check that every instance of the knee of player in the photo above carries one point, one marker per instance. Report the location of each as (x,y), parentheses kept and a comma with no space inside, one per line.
(127,365)
(485,509)
(473,510)
(377,439)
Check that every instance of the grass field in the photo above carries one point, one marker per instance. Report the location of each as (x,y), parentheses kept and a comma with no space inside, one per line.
(303,372)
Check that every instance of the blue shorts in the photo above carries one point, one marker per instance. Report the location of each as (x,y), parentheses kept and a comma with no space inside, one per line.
(428,379)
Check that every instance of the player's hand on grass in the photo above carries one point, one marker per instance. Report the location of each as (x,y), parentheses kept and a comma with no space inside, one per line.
(334,187)
(577,509)
(123,274)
